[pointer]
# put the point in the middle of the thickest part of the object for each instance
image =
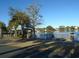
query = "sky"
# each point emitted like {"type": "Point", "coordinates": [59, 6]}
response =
{"type": "Point", "coordinates": [55, 12]}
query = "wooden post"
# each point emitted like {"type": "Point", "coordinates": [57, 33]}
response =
{"type": "Point", "coordinates": [72, 36]}
{"type": "Point", "coordinates": [0, 33]}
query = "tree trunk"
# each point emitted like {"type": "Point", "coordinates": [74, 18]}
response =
{"type": "Point", "coordinates": [23, 31]}
{"type": "Point", "coordinates": [15, 33]}
{"type": "Point", "coordinates": [34, 33]}
{"type": "Point", "coordinates": [26, 34]}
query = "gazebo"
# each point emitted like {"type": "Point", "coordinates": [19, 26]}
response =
{"type": "Point", "coordinates": [27, 30]}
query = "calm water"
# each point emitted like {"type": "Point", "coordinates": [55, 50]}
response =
{"type": "Point", "coordinates": [65, 35]}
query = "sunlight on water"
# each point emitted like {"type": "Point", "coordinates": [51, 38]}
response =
{"type": "Point", "coordinates": [65, 35]}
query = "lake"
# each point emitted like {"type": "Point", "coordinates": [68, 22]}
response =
{"type": "Point", "coordinates": [65, 35]}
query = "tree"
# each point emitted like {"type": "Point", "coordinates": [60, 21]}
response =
{"type": "Point", "coordinates": [72, 28]}
{"type": "Point", "coordinates": [78, 29]}
{"type": "Point", "coordinates": [62, 28]}
{"type": "Point", "coordinates": [42, 30]}
{"type": "Point", "coordinates": [50, 29]}
{"type": "Point", "coordinates": [13, 24]}
{"type": "Point", "coordinates": [67, 28]}
{"type": "Point", "coordinates": [2, 29]}
{"type": "Point", "coordinates": [33, 11]}
{"type": "Point", "coordinates": [19, 18]}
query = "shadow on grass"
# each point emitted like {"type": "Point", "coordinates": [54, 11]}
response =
{"type": "Point", "coordinates": [35, 52]}
{"type": "Point", "coordinates": [42, 50]}
{"type": "Point", "coordinates": [76, 53]}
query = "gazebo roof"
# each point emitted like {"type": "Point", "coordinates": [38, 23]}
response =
{"type": "Point", "coordinates": [19, 27]}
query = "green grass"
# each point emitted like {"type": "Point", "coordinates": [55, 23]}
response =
{"type": "Point", "coordinates": [44, 45]}
{"type": "Point", "coordinates": [16, 45]}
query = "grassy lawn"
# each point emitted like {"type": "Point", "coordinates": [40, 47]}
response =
{"type": "Point", "coordinates": [56, 48]}
{"type": "Point", "coordinates": [16, 45]}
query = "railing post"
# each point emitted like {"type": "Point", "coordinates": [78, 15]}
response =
{"type": "Point", "coordinates": [72, 38]}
